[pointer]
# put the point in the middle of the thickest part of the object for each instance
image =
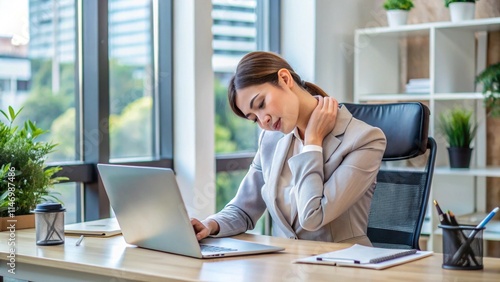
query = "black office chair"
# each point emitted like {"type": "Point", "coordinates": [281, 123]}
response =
{"type": "Point", "coordinates": [398, 206]}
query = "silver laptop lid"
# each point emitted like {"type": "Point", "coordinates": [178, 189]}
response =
{"type": "Point", "coordinates": [158, 222]}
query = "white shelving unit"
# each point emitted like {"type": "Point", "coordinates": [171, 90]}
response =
{"type": "Point", "coordinates": [457, 53]}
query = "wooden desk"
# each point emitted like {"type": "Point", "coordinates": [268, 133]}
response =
{"type": "Point", "coordinates": [100, 259]}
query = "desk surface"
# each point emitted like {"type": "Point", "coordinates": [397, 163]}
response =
{"type": "Point", "coordinates": [112, 257]}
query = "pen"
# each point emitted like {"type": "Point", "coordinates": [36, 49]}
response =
{"type": "Point", "coordinates": [338, 260]}
{"type": "Point", "coordinates": [462, 238]}
{"type": "Point", "coordinates": [452, 218]}
{"type": "Point", "coordinates": [443, 219]}
{"type": "Point", "coordinates": [487, 218]}
{"type": "Point", "coordinates": [79, 241]}
{"type": "Point", "coordinates": [481, 225]}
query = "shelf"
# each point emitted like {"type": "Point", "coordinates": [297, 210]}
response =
{"type": "Point", "coordinates": [458, 96]}
{"type": "Point", "coordinates": [402, 30]}
{"type": "Point", "coordinates": [488, 24]}
{"type": "Point", "coordinates": [392, 97]}
{"type": "Point", "coordinates": [381, 67]}
{"type": "Point", "coordinates": [479, 171]}
{"type": "Point", "coordinates": [421, 97]}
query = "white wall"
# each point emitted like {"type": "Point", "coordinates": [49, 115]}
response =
{"type": "Point", "coordinates": [194, 110]}
{"type": "Point", "coordinates": [318, 40]}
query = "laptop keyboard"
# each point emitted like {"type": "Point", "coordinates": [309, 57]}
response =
{"type": "Point", "coordinates": [215, 249]}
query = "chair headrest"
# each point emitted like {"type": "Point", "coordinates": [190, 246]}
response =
{"type": "Point", "coordinates": [405, 125]}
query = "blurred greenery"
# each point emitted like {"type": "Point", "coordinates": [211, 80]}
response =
{"type": "Point", "coordinates": [63, 131]}
{"type": "Point", "coordinates": [232, 134]}
{"type": "Point", "coordinates": [126, 84]}
{"type": "Point", "coordinates": [130, 132]}
{"type": "Point", "coordinates": [42, 105]}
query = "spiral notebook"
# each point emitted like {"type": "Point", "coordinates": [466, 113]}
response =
{"type": "Point", "coordinates": [366, 257]}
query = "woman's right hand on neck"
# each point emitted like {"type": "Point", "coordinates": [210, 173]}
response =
{"type": "Point", "coordinates": [322, 121]}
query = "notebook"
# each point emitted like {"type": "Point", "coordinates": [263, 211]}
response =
{"type": "Point", "coordinates": [150, 210]}
{"type": "Point", "coordinates": [366, 257]}
{"type": "Point", "coordinates": [102, 227]}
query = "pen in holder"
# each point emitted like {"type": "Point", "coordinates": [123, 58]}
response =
{"type": "Point", "coordinates": [462, 247]}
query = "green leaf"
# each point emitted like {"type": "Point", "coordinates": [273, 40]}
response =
{"type": "Point", "coordinates": [12, 113]}
{"type": "Point", "coordinates": [5, 115]}
{"type": "Point", "coordinates": [32, 126]}
{"type": "Point", "coordinates": [448, 2]}
{"type": "Point", "coordinates": [405, 5]}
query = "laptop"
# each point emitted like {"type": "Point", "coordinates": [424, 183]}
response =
{"type": "Point", "coordinates": [151, 213]}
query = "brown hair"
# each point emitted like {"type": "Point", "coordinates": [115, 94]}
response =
{"type": "Point", "coordinates": [261, 67]}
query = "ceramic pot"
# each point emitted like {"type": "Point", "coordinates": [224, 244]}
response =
{"type": "Point", "coordinates": [462, 11]}
{"type": "Point", "coordinates": [397, 17]}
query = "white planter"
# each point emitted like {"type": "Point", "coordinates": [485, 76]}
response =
{"type": "Point", "coordinates": [397, 17]}
{"type": "Point", "coordinates": [462, 11]}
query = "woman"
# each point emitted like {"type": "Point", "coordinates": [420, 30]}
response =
{"type": "Point", "coordinates": [316, 166]}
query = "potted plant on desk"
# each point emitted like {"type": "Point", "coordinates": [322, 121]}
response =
{"type": "Point", "coordinates": [461, 10]}
{"type": "Point", "coordinates": [25, 181]}
{"type": "Point", "coordinates": [459, 130]}
{"type": "Point", "coordinates": [397, 11]}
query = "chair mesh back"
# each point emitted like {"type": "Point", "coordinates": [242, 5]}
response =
{"type": "Point", "coordinates": [396, 207]}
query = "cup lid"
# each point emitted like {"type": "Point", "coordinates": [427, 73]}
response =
{"type": "Point", "coordinates": [49, 207]}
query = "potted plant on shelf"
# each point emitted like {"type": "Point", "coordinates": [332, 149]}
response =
{"type": "Point", "coordinates": [490, 80]}
{"type": "Point", "coordinates": [397, 11]}
{"type": "Point", "coordinates": [459, 130]}
{"type": "Point", "coordinates": [25, 181]}
{"type": "Point", "coordinates": [461, 10]}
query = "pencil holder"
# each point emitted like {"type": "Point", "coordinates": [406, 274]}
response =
{"type": "Point", "coordinates": [462, 247]}
{"type": "Point", "coordinates": [49, 224]}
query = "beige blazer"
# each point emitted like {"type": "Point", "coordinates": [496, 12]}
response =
{"type": "Point", "coordinates": [332, 191]}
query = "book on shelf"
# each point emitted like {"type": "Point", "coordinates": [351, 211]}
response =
{"type": "Point", "coordinates": [102, 227]}
{"type": "Point", "coordinates": [366, 257]}
{"type": "Point", "coordinates": [418, 85]}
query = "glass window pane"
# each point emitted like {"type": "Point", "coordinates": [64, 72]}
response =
{"type": "Point", "coordinates": [130, 78]}
{"type": "Point", "coordinates": [37, 55]}
{"type": "Point", "coordinates": [68, 193]}
{"type": "Point", "coordinates": [234, 34]}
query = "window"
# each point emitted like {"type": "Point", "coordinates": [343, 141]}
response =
{"type": "Point", "coordinates": [22, 85]}
{"type": "Point", "coordinates": [77, 67]}
{"type": "Point", "coordinates": [130, 79]}
{"type": "Point", "coordinates": [38, 55]}
{"type": "Point", "coordinates": [238, 27]}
